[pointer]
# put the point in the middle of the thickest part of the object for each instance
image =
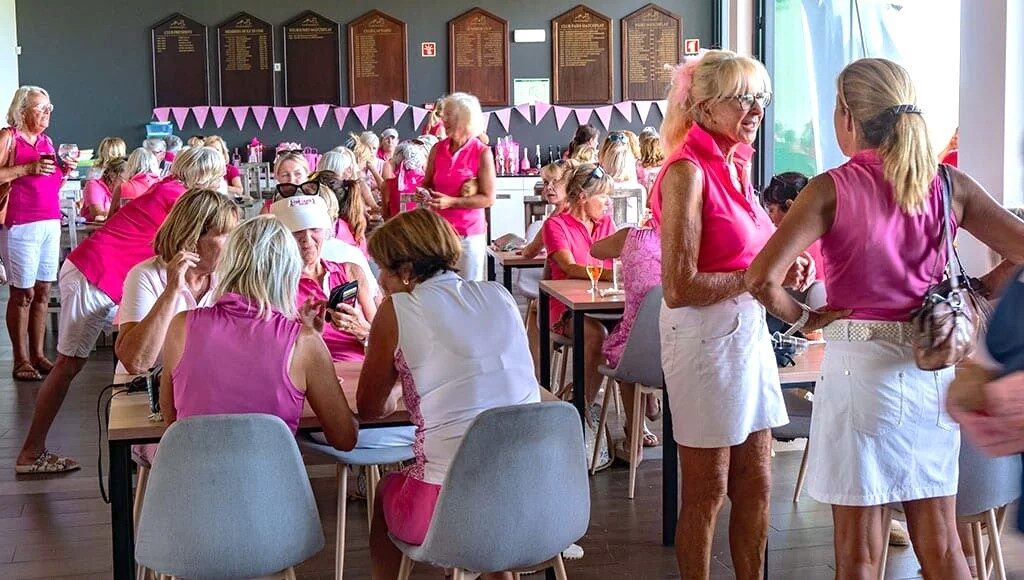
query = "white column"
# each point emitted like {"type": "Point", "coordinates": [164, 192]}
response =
{"type": "Point", "coordinates": [8, 56]}
{"type": "Point", "coordinates": [739, 22]}
{"type": "Point", "coordinates": [992, 108]}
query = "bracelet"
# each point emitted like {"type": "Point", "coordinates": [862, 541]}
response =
{"type": "Point", "coordinates": [800, 322]}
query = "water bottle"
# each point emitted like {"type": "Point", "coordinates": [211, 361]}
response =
{"type": "Point", "coordinates": [617, 274]}
{"type": "Point", "coordinates": [797, 344]}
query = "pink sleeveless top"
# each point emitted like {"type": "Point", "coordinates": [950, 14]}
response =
{"type": "Point", "coordinates": [880, 260]}
{"type": "Point", "coordinates": [33, 198]}
{"type": "Point", "coordinates": [343, 232]}
{"type": "Point", "coordinates": [343, 346]}
{"type": "Point", "coordinates": [138, 185]}
{"type": "Point", "coordinates": [451, 171]}
{"type": "Point", "coordinates": [734, 225]}
{"type": "Point", "coordinates": [105, 257]}
{"type": "Point", "coordinates": [236, 362]}
{"type": "Point", "coordinates": [641, 271]}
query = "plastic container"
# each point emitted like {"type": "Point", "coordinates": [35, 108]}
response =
{"type": "Point", "coordinates": [159, 129]}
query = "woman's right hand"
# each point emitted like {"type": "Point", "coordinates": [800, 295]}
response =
{"type": "Point", "coordinates": [179, 265]}
{"type": "Point", "coordinates": [818, 319]}
{"type": "Point", "coordinates": [41, 167]}
{"type": "Point", "coordinates": [312, 314]}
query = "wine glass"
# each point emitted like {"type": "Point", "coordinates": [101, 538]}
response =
{"type": "Point", "coordinates": [594, 270]}
{"type": "Point", "coordinates": [67, 152]}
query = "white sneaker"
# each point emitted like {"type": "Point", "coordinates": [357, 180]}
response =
{"type": "Point", "coordinates": [573, 552]}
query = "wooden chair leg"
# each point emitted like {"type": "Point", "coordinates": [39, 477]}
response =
{"type": "Point", "coordinates": [618, 400]}
{"type": "Point", "coordinates": [886, 523]}
{"type": "Point", "coordinates": [289, 574]}
{"type": "Point", "coordinates": [372, 479]}
{"type": "Point", "coordinates": [560, 568]}
{"type": "Point", "coordinates": [339, 541]}
{"type": "Point", "coordinates": [1000, 522]}
{"type": "Point", "coordinates": [602, 424]}
{"type": "Point", "coordinates": [995, 545]}
{"type": "Point", "coordinates": [802, 475]}
{"type": "Point", "coordinates": [979, 551]}
{"type": "Point", "coordinates": [636, 432]}
{"type": "Point", "coordinates": [564, 391]}
{"type": "Point", "coordinates": [405, 569]}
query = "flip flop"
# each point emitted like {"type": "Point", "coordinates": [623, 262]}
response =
{"type": "Point", "coordinates": [26, 372]}
{"type": "Point", "coordinates": [47, 463]}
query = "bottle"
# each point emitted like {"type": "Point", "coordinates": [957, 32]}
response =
{"type": "Point", "coordinates": [559, 152]}
{"type": "Point", "coordinates": [236, 159]}
{"type": "Point", "coordinates": [551, 154]}
{"type": "Point", "coordinates": [499, 160]}
{"type": "Point", "coordinates": [537, 155]}
{"type": "Point", "coordinates": [524, 162]}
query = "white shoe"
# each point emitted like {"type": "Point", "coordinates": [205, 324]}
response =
{"type": "Point", "coordinates": [573, 552]}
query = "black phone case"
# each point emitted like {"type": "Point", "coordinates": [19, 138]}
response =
{"type": "Point", "coordinates": [342, 293]}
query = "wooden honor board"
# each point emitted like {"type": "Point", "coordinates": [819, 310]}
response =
{"type": "Point", "coordinates": [478, 56]}
{"type": "Point", "coordinates": [181, 75]}
{"type": "Point", "coordinates": [245, 51]}
{"type": "Point", "coordinates": [651, 38]}
{"type": "Point", "coordinates": [378, 62]}
{"type": "Point", "coordinates": [581, 57]}
{"type": "Point", "coordinates": [312, 61]}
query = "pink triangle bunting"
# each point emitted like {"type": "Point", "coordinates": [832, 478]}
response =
{"type": "Point", "coordinates": [162, 114]}
{"type": "Point", "coordinates": [340, 114]}
{"type": "Point", "coordinates": [376, 112]}
{"type": "Point", "coordinates": [583, 115]}
{"type": "Point", "coordinates": [363, 114]}
{"type": "Point", "coordinates": [539, 110]}
{"type": "Point", "coordinates": [320, 113]}
{"type": "Point", "coordinates": [281, 116]}
{"type": "Point", "coordinates": [301, 115]}
{"type": "Point", "coordinates": [239, 114]}
{"type": "Point", "coordinates": [219, 114]}
{"type": "Point", "coordinates": [180, 116]}
{"type": "Point", "coordinates": [625, 108]}
{"type": "Point", "coordinates": [644, 108]}
{"type": "Point", "coordinates": [605, 115]}
{"type": "Point", "coordinates": [524, 110]}
{"type": "Point", "coordinates": [487, 120]}
{"type": "Point", "coordinates": [561, 114]}
{"type": "Point", "coordinates": [260, 115]}
{"type": "Point", "coordinates": [505, 117]}
{"type": "Point", "coordinates": [418, 114]}
{"type": "Point", "coordinates": [663, 107]}
{"type": "Point", "coordinates": [200, 113]}
{"type": "Point", "coordinates": [398, 108]}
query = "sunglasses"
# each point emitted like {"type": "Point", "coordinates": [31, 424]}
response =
{"type": "Point", "coordinates": [286, 190]}
{"type": "Point", "coordinates": [616, 137]}
{"type": "Point", "coordinates": [597, 173]}
{"type": "Point", "coordinates": [747, 100]}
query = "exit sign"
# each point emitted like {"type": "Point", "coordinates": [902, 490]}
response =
{"type": "Point", "coordinates": [691, 46]}
{"type": "Point", "coordinates": [428, 49]}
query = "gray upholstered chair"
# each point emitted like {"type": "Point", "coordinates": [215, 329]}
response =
{"type": "Point", "coordinates": [799, 427]}
{"type": "Point", "coordinates": [371, 458]}
{"type": "Point", "coordinates": [228, 497]}
{"type": "Point", "coordinates": [641, 365]}
{"type": "Point", "coordinates": [516, 494]}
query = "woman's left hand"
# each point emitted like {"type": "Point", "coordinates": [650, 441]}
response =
{"type": "Point", "coordinates": [439, 201]}
{"type": "Point", "coordinates": [70, 164]}
{"type": "Point", "coordinates": [351, 320]}
{"type": "Point", "coordinates": [311, 314]}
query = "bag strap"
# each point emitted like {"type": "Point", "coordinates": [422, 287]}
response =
{"type": "Point", "coordinates": [8, 159]}
{"type": "Point", "coordinates": [947, 227]}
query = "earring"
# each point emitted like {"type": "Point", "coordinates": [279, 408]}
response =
{"type": "Point", "coordinates": [406, 282]}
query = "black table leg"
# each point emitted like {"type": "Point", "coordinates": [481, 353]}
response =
{"type": "Point", "coordinates": [506, 278]}
{"type": "Point", "coordinates": [544, 318]}
{"type": "Point", "coordinates": [121, 510]}
{"type": "Point", "coordinates": [578, 367]}
{"type": "Point", "coordinates": [669, 477]}
{"type": "Point", "coordinates": [491, 270]}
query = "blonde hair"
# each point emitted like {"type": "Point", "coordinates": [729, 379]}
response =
{"type": "Point", "coordinates": [363, 147]}
{"type": "Point", "coordinates": [420, 240]}
{"type": "Point", "coordinates": [651, 153]}
{"type": "Point", "coordinates": [116, 168]}
{"type": "Point", "coordinates": [262, 263]}
{"type": "Point", "coordinates": [872, 90]}
{"type": "Point", "coordinates": [563, 168]}
{"type": "Point", "coordinates": [291, 156]}
{"type": "Point", "coordinates": [218, 143]}
{"type": "Point", "coordinates": [716, 76]}
{"type": "Point", "coordinates": [341, 161]}
{"type": "Point", "coordinates": [110, 148]}
{"type": "Point", "coordinates": [327, 194]}
{"type": "Point", "coordinates": [196, 213]}
{"type": "Point", "coordinates": [584, 184]}
{"type": "Point", "coordinates": [584, 154]}
{"type": "Point", "coordinates": [348, 203]}
{"type": "Point", "coordinates": [142, 160]}
{"type": "Point", "coordinates": [618, 161]}
{"type": "Point", "coordinates": [199, 167]}
{"type": "Point", "coordinates": [467, 111]}
{"type": "Point", "coordinates": [19, 104]}
{"type": "Point", "coordinates": [194, 141]}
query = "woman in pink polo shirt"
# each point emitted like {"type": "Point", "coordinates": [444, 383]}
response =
{"type": "Point", "coordinates": [454, 161]}
{"type": "Point", "coordinates": [568, 238]}
{"type": "Point", "coordinates": [98, 194]}
{"type": "Point", "coordinates": [232, 176]}
{"type": "Point", "coordinates": [403, 174]}
{"type": "Point", "coordinates": [720, 373]}
{"type": "Point", "coordinates": [30, 236]}
{"type": "Point", "coordinates": [143, 171]}
{"type": "Point", "coordinates": [91, 286]}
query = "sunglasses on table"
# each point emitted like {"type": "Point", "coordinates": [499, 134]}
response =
{"type": "Point", "coordinates": [747, 100]}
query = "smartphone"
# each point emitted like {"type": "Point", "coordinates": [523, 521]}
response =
{"type": "Point", "coordinates": [343, 294]}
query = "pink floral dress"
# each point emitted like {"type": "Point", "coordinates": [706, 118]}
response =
{"type": "Point", "coordinates": [641, 271]}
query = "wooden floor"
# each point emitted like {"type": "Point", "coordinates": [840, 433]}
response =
{"type": "Point", "coordinates": [57, 526]}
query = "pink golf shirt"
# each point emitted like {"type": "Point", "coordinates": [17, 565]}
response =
{"type": "Point", "coordinates": [137, 186]}
{"type": "Point", "coordinates": [96, 192]}
{"type": "Point", "coordinates": [880, 260]}
{"type": "Point", "coordinates": [106, 257]}
{"type": "Point", "coordinates": [343, 232]}
{"type": "Point", "coordinates": [343, 346]}
{"type": "Point", "coordinates": [451, 171]}
{"type": "Point", "coordinates": [734, 226]}
{"type": "Point", "coordinates": [33, 198]}
{"type": "Point", "coordinates": [218, 372]}
{"type": "Point", "coordinates": [565, 232]}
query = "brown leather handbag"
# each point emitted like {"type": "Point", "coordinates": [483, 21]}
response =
{"type": "Point", "coordinates": [6, 160]}
{"type": "Point", "coordinates": [953, 315]}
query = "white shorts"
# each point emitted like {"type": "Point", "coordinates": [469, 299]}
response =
{"type": "Point", "coordinates": [31, 252]}
{"type": "Point", "coordinates": [85, 311]}
{"type": "Point", "coordinates": [472, 264]}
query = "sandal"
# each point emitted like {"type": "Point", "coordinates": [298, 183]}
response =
{"type": "Point", "coordinates": [47, 463]}
{"type": "Point", "coordinates": [43, 366]}
{"type": "Point", "coordinates": [26, 372]}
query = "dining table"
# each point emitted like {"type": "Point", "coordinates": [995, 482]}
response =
{"type": "Point", "coordinates": [510, 261]}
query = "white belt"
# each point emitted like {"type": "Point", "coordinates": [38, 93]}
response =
{"type": "Point", "coordinates": [862, 331]}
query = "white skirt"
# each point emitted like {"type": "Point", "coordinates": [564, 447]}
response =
{"type": "Point", "coordinates": [720, 372]}
{"type": "Point", "coordinates": [879, 430]}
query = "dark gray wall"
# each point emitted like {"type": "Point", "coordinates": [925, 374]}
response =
{"type": "Point", "coordinates": [93, 56]}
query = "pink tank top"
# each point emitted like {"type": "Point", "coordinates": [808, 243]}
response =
{"type": "Point", "coordinates": [880, 260]}
{"type": "Point", "coordinates": [137, 186]}
{"type": "Point", "coordinates": [343, 346]}
{"type": "Point", "coordinates": [734, 225]}
{"type": "Point", "coordinates": [236, 362]}
{"type": "Point", "coordinates": [105, 257]}
{"type": "Point", "coordinates": [33, 198]}
{"type": "Point", "coordinates": [343, 232]}
{"type": "Point", "coordinates": [451, 171]}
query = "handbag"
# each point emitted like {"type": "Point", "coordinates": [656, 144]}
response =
{"type": "Point", "coordinates": [7, 160]}
{"type": "Point", "coordinates": [946, 327]}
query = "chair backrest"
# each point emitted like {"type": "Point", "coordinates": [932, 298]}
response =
{"type": "Point", "coordinates": [517, 492]}
{"type": "Point", "coordinates": [228, 497]}
{"type": "Point", "coordinates": [985, 482]}
{"type": "Point", "coordinates": [641, 357]}
{"type": "Point", "coordinates": [533, 230]}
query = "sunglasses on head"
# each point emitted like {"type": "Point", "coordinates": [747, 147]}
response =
{"type": "Point", "coordinates": [597, 173]}
{"type": "Point", "coordinates": [616, 137]}
{"type": "Point", "coordinates": [286, 190]}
